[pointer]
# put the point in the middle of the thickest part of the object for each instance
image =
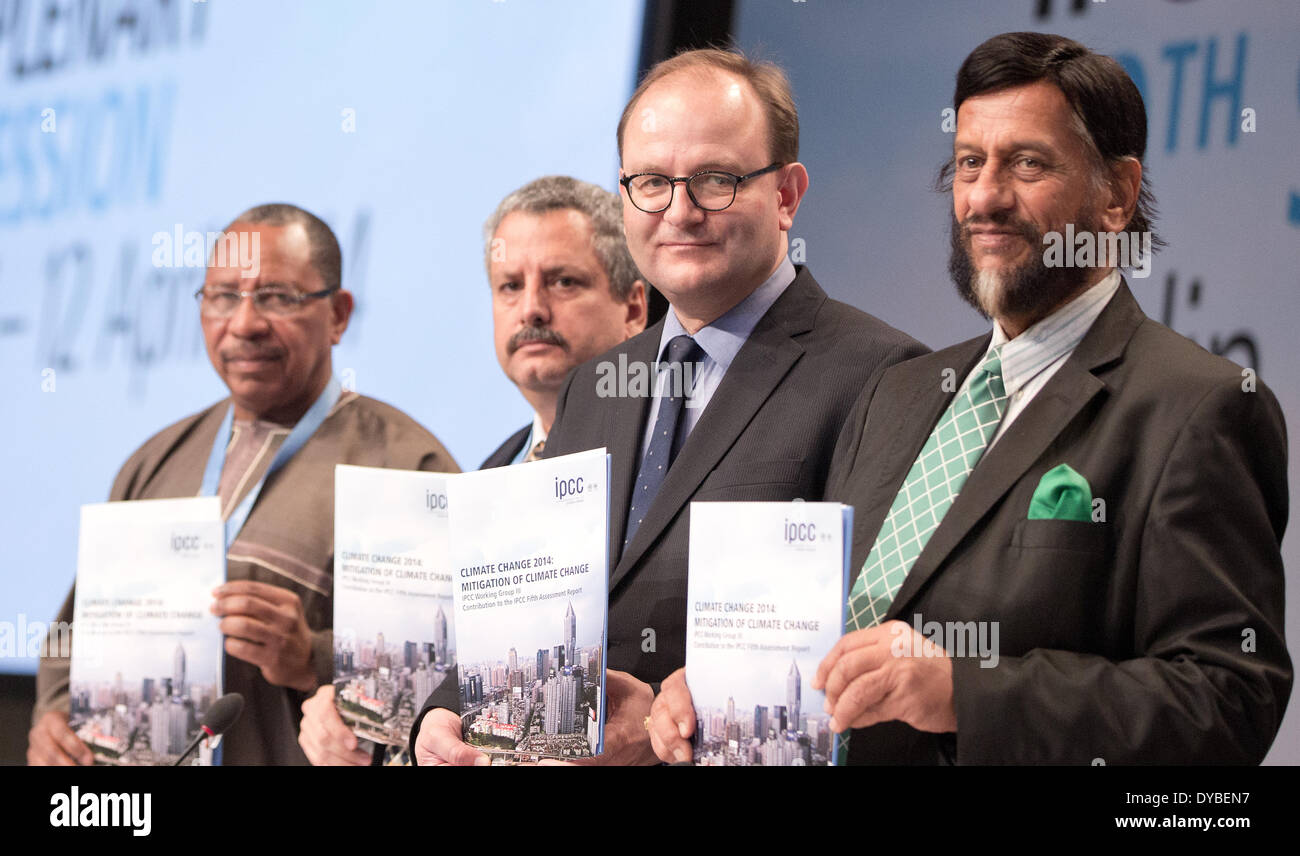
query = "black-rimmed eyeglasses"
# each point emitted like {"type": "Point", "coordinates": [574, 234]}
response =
{"type": "Point", "coordinates": [711, 190]}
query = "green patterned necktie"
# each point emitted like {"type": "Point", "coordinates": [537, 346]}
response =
{"type": "Point", "coordinates": [937, 476]}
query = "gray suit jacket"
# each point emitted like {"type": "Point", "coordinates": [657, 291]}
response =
{"type": "Point", "coordinates": [767, 434]}
{"type": "Point", "coordinates": [1155, 636]}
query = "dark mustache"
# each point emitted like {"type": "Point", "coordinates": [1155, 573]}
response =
{"type": "Point", "coordinates": [1001, 221]}
{"type": "Point", "coordinates": [545, 335]}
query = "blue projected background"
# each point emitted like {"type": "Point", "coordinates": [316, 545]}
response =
{"type": "Point", "coordinates": [401, 124]}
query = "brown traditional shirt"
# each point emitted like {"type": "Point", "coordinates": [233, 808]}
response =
{"type": "Point", "coordinates": [288, 539]}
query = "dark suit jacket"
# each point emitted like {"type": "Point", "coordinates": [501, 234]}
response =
{"type": "Point", "coordinates": [767, 434]}
{"type": "Point", "coordinates": [506, 452]}
{"type": "Point", "coordinates": [1155, 636]}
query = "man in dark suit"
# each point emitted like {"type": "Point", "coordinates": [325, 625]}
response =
{"type": "Point", "coordinates": [1073, 554]}
{"type": "Point", "coordinates": [564, 289]}
{"type": "Point", "coordinates": [709, 147]}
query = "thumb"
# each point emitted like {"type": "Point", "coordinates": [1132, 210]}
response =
{"type": "Point", "coordinates": [462, 754]}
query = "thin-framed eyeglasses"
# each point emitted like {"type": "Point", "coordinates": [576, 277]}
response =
{"type": "Point", "coordinates": [272, 302]}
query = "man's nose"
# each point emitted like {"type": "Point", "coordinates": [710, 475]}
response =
{"type": "Point", "coordinates": [536, 303]}
{"type": "Point", "coordinates": [682, 211]}
{"type": "Point", "coordinates": [247, 322]}
{"type": "Point", "coordinates": [991, 193]}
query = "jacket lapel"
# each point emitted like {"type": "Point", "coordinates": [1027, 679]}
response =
{"type": "Point", "coordinates": [629, 414]}
{"type": "Point", "coordinates": [1052, 409]}
{"type": "Point", "coordinates": [760, 365]}
{"type": "Point", "coordinates": [885, 463]}
{"type": "Point", "coordinates": [915, 420]}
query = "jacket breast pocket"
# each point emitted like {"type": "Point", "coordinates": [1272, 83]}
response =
{"type": "Point", "coordinates": [1059, 570]}
{"type": "Point", "coordinates": [741, 481]}
{"type": "Point", "coordinates": [1074, 536]}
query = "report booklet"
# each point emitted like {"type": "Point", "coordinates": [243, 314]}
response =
{"type": "Point", "coordinates": [394, 640]}
{"type": "Point", "coordinates": [529, 559]}
{"type": "Point", "coordinates": [765, 603]}
{"type": "Point", "coordinates": [146, 654]}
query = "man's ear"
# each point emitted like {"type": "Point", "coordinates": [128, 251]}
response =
{"type": "Point", "coordinates": [794, 184]}
{"type": "Point", "coordinates": [1124, 185]}
{"type": "Point", "coordinates": [341, 305]}
{"type": "Point", "coordinates": [634, 320]}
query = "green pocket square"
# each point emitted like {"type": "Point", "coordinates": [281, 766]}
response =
{"type": "Point", "coordinates": [1062, 494]}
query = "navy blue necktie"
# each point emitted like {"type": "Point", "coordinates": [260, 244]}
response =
{"type": "Point", "coordinates": [665, 441]}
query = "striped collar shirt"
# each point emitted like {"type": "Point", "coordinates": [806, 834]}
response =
{"type": "Point", "coordinates": [1030, 359]}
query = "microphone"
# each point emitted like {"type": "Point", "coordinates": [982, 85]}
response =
{"type": "Point", "coordinates": [223, 714]}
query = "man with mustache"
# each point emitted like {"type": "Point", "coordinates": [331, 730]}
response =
{"type": "Point", "coordinates": [270, 319]}
{"type": "Point", "coordinates": [564, 290]}
{"type": "Point", "coordinates": [1097, 494]}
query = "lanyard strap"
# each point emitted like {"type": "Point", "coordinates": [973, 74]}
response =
{"type": "Point", "coordinates": [301, 432]}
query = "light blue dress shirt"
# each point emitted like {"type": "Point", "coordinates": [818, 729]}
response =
{"type": "Point", "coordinates": [720, 341]}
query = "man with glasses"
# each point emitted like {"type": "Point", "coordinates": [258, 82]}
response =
{"type": "Point", "coordinates": [711, 180]}
{"type": "Point", "coordinates": [268, 451]}
{"type": "Point", "coordinates": [1070, 554]}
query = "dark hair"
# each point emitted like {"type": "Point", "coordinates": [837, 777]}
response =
{"type": "Point", "coordinates": [767, 79]}
{"type": "Point", "coordinates": [1111, 116]}
{"type": "Point", "coordinates": [325, 255]}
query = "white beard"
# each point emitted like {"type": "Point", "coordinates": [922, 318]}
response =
{"type": "Point", "coordinates": [988, 286]}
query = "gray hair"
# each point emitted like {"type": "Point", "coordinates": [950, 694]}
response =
{"type": "Point", "coordinates": [603, 209]}
{"type": "Point", "coordinates": [324, 254]}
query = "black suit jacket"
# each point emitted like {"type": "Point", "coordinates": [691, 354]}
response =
{"type": "Point", "coordinates": [1155, 636]}
{"type": "Point", "coordinates": [506, 452]}
{"type": "Point", "coordinates": [768, 433]}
